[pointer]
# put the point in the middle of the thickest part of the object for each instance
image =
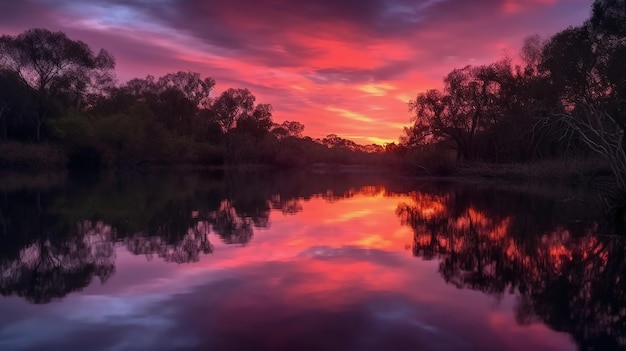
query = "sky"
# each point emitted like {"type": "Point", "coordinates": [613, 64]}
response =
{"type": "Point", "coordinates": [346, 67]}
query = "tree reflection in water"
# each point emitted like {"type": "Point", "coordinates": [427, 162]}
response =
{"type": "Point", "coordinates": [48, 268]}
{"type": "Point", "coordinates": [546, 252]}
{"type": "Point", "coordinates": [55, 239]}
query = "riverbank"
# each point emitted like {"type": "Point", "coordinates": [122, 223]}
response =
{"type": "Point", "coordinates": [44, 157]}
{"type": "Point", "coordinates": [570, 171]}
{"type": "Point", "coordinates": [32, 156]}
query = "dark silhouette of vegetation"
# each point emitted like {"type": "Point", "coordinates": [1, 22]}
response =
{"type": "Point", "coordinates": [565, 99]}
{"type": "Point", "coordinates": [56, 70]}
{"type": "Point", "coordinates": [56, 92]}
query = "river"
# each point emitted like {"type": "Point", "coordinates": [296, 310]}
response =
{"type": "Point", "coordinates": [305, 261]}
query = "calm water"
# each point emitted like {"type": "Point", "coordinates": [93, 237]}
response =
{"type": "Point", "coordinates": [302, 261]}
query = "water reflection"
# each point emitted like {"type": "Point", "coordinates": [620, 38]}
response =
{"type": "Point", "coordinates": [51, 265]}
{"type": "Point", "coordinates": [549, 253]}
{"type": "Point", "coordinates": [56, 239]}
{"type": "Point", "coordinates": [266, 261]}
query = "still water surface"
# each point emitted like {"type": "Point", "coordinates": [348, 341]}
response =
{"type": "Point", "coordinates": [304, 261]}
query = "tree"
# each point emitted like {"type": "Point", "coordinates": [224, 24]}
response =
{"type": "Point", "coordinates": [258, 123]}
{"type": "Point", "coordinates": [279, 131]}
{"type": "Point", "coordinates": [175, 99]}
{"type": "Point", "coordinates": [607, 26]}
{"type": "Point", "coordinates": [335, 141]}
{"type": "Point", "coordinates": [586, 67]}
{"type": "Point", "coordinates": [570, 63]}
{"type": "Point", "coordinates": [609, 17]}
{"type": "Point", "coordinates": [233, 105]}
{"type": "Point", "coordinates": [139, 87]}
{"type": "Point", "coordinates": [602, 134]}
{"type": "Point", "coordinates": [172, 108]}
{"type": "Point", "coordinates": [288, 129]}
{"type": "Point", "coordinates": [531, 54]}
{"type": "Point", "coordinates": [373, 149]}
{"type": "Point", "coordinates": [193, 87]}
{"type": "Point", "coordinates": [55, 67]}
{"type": "Point", "coordinates": [294, 128]}
{"type": "Point", "coordinates": [16, 106]}
{"type": "Point", "coordinates": [470, 103]}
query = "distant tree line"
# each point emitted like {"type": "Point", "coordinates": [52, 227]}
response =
{"type": "Point", "coordinates": [565, 96]}
{"type": "Point", "coordinates": [57, 90]}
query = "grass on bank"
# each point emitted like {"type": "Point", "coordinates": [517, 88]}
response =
{"type": "Point", "coordinates": [571, 170]}
{"type": "Point", "coordinates": [49, 156]}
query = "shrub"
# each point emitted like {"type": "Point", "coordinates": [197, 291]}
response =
{"type": "Point", "coordinates": [31, 156]}
{"type": "Point", "coordinates": [207, 154]}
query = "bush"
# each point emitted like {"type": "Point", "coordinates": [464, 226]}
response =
{"type": "Point", "coordinates": [84, 157]}
{"type": "Point", "coordinates": [71, 129]}
{"type": "Point", "coordinates": [207, 154]}
{"type": "Point", "coordinates": [31, 156]}
{"type": "Point", "coordinates": [432, 160]}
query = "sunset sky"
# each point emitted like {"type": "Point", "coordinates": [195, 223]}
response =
{"type": "Point", "coordinates": [347, 67]}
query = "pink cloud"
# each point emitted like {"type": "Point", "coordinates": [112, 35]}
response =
{"type": "Point", "coordinates": [344, 67]}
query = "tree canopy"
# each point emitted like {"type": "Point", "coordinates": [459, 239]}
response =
{"type": "Point", "coordinates": [56, 68]}
{"type": "Point", "coordinates": [565, 97]}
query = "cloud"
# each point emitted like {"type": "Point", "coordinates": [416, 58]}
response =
{"type": "Point", "coordinates": [350, 115]}
{"type": "Point", "coordinates": [313, 60]}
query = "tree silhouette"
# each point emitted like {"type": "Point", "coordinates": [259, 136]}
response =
{"type": "Point", "coordinates": [55, 67]}
{"type": "Point", "coordinates": [233, 105]}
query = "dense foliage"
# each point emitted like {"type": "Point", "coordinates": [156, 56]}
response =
{"type": "Point", "coordinates": [564, 96]}
{"type": "Point", "coordinates": [58, 91]}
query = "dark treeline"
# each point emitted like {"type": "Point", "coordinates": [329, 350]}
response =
{"type": "Point", "coordinates": [57, 90]}
{"type": "Point", "coordinates": [563, 97]}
